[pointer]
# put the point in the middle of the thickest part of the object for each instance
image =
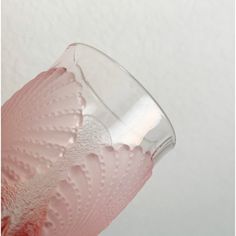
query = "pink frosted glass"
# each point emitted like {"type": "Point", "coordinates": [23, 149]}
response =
{"type": "Point", "coordinates": [62, 172]}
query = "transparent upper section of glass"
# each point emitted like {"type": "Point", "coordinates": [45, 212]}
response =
{"type": "Point", "coordinates": [118, 101]}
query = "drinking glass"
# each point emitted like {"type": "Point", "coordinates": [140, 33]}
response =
{"type": "Point", "coordinates": [78, 142]}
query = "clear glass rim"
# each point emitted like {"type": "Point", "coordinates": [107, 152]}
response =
{"type": "Point", "coordinates": [131, 76]}
{"type": "Point", "coordinates": [73, 50]}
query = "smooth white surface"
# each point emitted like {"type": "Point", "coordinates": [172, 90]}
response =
{"type": "Point", "coordinates": [182, 52]}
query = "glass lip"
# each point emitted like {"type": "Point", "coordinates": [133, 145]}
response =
{"type": "Point", "coordinates": [131, 77]}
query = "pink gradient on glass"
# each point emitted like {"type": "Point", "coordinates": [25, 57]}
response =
{"type": "Point", "coordinates": [46, 188]}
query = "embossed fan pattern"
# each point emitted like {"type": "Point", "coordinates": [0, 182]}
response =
{"type": "Point", "coordinates": [50, 186]}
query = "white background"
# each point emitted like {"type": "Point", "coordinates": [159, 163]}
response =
{"type": "Point", "coordinates": [182, 52]}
